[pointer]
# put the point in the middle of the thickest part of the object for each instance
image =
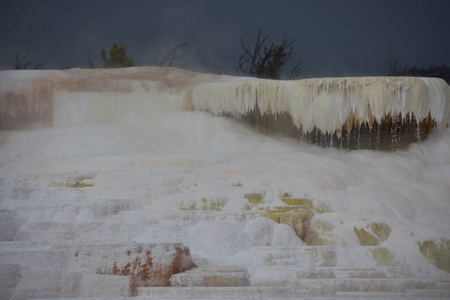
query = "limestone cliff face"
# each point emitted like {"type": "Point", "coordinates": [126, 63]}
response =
{"type": "Point", "coordinates": [354, 113]}
{"type": "Point", "coordinates": [329, 104]}
{"type": "Point", "coordinates": [28, 97]}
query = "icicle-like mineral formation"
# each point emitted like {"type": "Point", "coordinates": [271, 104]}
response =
{"type": "Point", "coordinates": [356, 113]}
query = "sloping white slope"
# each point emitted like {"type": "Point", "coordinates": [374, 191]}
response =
{"type": "Point", "coordinates": [159, 172]}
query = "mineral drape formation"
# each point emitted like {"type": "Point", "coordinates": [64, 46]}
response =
{"type": "Point", "coordinates": [382, 113]}
{"type": "Point", "coordinates": [356, 113]}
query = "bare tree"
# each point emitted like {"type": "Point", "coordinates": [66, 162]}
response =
{"type": "Point", "coordinates": [172, 56]}
{"type": "Point", "coordinates": [394, 69]}
{"type": "Point", "coordinates": [263, 61]}
{"type": "Point", "coordinates": [20, 63]}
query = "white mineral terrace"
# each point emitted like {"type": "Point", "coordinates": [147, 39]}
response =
{"type": "Point", "coordinates": [117, 183]}
{"type": "Point", "coordinates": [327, 103]}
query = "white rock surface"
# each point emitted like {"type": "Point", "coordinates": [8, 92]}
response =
{"type": "Point", "coordinates": [121, 160]}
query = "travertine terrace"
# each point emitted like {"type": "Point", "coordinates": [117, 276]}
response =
{"type": "Point", "coordinates": [164, 183]}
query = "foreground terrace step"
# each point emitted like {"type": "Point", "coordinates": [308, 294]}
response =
{"type": "Point", "coordinates": [212, 276]}
{"type": "Point", "coordinates": [87, 255]}
{"type": "Point", "coordinates": [214, 292]}
{"type": "Point", "coordinates": [44, 259]}
{"type": "Point", "coordinates": [8, 283]}
{"type": "Point", "coordinates": [356, 297]}
{"type": "Point", "coordinates": [86, 231]}
{"type": "Point", "coordinates": [364, 286]}
{"type": "Point", "coordinates": [352, 288]}
{"type": "Point", "coordinates": [60, 219]}
{"type": "Point", "coordinates": [71, 207]}
{"type": "Point", "coordinates": [184, 216]}
{"type": "Point", "coordinates": [276, 275]}
{"type": "Point", "coordinates": [164, 226]}
{"type": "Point", "coordinates": [380, 295]}
{"type": "Point", "coordinates": [429, 293]}
{"type": "Point", "coordinates": [322, 256]}
{"type": "Point", "coordinates": [273, 293]}
{"type": "Point", "coordinates": [33, 284]}
{"type": "Point", "coordinates": [329, 287]}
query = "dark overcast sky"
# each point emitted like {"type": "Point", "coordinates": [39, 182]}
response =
{"type": "Point", "coordinates": [332, 37]}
